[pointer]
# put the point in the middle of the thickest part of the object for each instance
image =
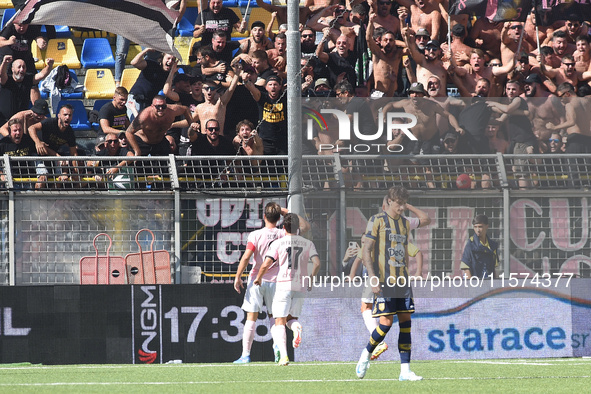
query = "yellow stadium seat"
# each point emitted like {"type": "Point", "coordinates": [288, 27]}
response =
{"type": "Point", "coordinates": [4, 4]}
{"type": "Point", "coordinates": [129, 77]}
{"type": "Point", "coordinates": [183, 45]}
{"type": "Point", "coordinates": [134, 49]}
{"type": "Point", "coordinates": [37, 55]}
{"type": "Point", "coordinates": [259, 14]}
{"type": "Point", "coordinates": [63, 51]}
{"type": "Point", "coordinates": [99, 83]}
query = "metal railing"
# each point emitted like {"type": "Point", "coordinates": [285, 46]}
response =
{"type": "Point", "coordinates": [201, 209]}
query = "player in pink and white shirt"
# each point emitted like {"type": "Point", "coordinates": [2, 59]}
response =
{"type": "Point", "coordinates": [257, 244]}
{"type": "Point", "coordinates": [292, 254]}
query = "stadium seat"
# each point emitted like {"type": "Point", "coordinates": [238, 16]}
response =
{"type": "Point", "coordinates": [185, 28]}
{"type": "Point", "coordinates": [37, 54]}
{"type": "Point", "coordinates": [134, 49]}
{"type": "Point", "coordinates": [65, 96]}
{"type": "Point", "coordinates": [129, 77]}
{"type": "Point", "coordinates": [191, 14]}
{"type": "Point", "coordinates": [6, 4]}
{"type": "Point", "coordinates": [234, 3]}
{"type": "Point", "coordinates": [63, 51]}
{"type": "Point", "coordinates": [183, 45]}
{"type": "Point", "coordinates": [97, 53]}
{"type": "Point", "coordinates": [80, 117]}
{"type": "Point", "coordinates": [98, 104]}
{"type": "Point", "coordinates": [99, 83]}
{"type": "Point", "coordinates": [259, 14]}
{"type": "Point", "coordinates": [8, 13]}
{"type": "Point", "coordinates": [60, 31]}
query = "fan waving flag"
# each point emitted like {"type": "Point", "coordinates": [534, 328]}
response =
{"type": "Point", "coordinates": [495, 10]}
{"type": "Point", "coordinates": [550, 11]}
{"type": "Point", "coordinates": [149, 23]}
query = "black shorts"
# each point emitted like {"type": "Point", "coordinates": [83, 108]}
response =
{"type": "Point", "coordinates": [162, 148]}
{"type": "Point", "coordinates": [391, 306]}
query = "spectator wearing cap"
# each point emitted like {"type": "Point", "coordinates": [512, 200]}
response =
{"type": "Point", "coordinates": [424, 14]}
{"type": "Point", "coordinates": [384, 18]}
{"type": "Point", "coordinates": [476, 70]}
{"type": "Point", "coordinates": [113, 115]}
{"type": "Point", "coordinates": [480, 257]}
{"type": "Point", "coordinates": [422, 38]}
{"type": "Point", "coordinates": [340, 62]}
{"type": "Point", "coordinates": [272, 104]}
{"type": "Point", "coordinates": [322, 88]}
{"type": "Point", "coordinates": [428, 63]}
{"type": "Point", "coordinates": [459, 49]}
{"type": "Point", "coordinates": [29, 117]}
{"type": "Point", "coordinates": [216, 17]}
{"type": "Point", "coordinates": [257, 40]}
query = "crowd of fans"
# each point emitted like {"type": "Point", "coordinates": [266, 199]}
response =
{"type": "Point", "coordinates": [485, 88]}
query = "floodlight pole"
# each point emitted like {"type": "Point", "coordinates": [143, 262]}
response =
{"type": "Point", "coordinates": [294, 109]}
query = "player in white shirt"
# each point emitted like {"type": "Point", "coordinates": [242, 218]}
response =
{"type": "Point", "coordinates": [292, 254]}
{"type": "Point", "coordinates": [256, 249]}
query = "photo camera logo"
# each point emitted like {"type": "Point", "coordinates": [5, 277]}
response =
{"type": "Point", "coordinates": [404, 124]}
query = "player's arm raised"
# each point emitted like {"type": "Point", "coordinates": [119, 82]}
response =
{"type": "Point", "coordinates": [424, 219]}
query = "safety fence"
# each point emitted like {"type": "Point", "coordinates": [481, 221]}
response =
{"type": "Point", "coordinates": [201, 210]}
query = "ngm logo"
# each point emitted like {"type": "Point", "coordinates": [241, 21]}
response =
{"type": "Point", "coordinates": [405, 123]}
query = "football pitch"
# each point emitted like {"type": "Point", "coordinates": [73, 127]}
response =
{"type": "Point", "coordinates": [488, 376]}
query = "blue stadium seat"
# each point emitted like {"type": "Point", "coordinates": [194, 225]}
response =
{"type": "Point", "coordinates": [97, 53]}
{"type": "Point", "coordinates": [98, 104]}
{"type": "Point", "coordinates": [185, 28]}
{"type": "Point", "coordinates": [60, 31]}
{"type": "Point", "coordinates": [80, 117]}
{"type": "Point", "coordinates": [65, 96]}
{"type": "Point", "coordinates": [8, 13]}
{"type": "Point", "coordinates": [234, 3]}
{"type": "Point", "coordinates": [192, 12]}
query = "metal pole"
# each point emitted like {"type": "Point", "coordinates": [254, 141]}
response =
{"type": "Point", "coordinates": [294, 109]}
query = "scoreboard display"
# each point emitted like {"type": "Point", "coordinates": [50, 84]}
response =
{"type": "Point", "coordinates": [126, 324]}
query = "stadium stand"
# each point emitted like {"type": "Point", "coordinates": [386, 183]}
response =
{"type": "Point", "coordinates": [80, 116]}
{"type": "Point", "coordinates": [97, 53]}
{"type": "Point", "coordinates": [99, 83]}
{"type": "Point", "coordinates": [63, 51]}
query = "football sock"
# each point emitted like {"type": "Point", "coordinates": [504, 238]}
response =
{"type": "Point", "coordinates": [248, 337]}
{"type": "Point", "coordinates": [404, 368]}
{"type": "Point", "coordinates": [272, 323]}
{"type": "Point", "coordinates": [377, 336]}
{"type": "Point", "coordinates": [280, 338]}
{"type": "Point", "coordinates": [290, 323]}
{"type": "Point", "coordinates": [404, 342]}
{"type": "Point", "coordinates": [370, 322]}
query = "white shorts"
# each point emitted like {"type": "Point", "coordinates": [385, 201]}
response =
{"type": "Point", "coordinates": [255, 295]}
{"type": "Point", "coordinates": [288, 302]}
{"type": "Point", "coordinates": [367, 295]}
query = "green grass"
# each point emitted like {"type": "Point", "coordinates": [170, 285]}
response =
{"type": "Point", "coordinates": [570, 375]}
